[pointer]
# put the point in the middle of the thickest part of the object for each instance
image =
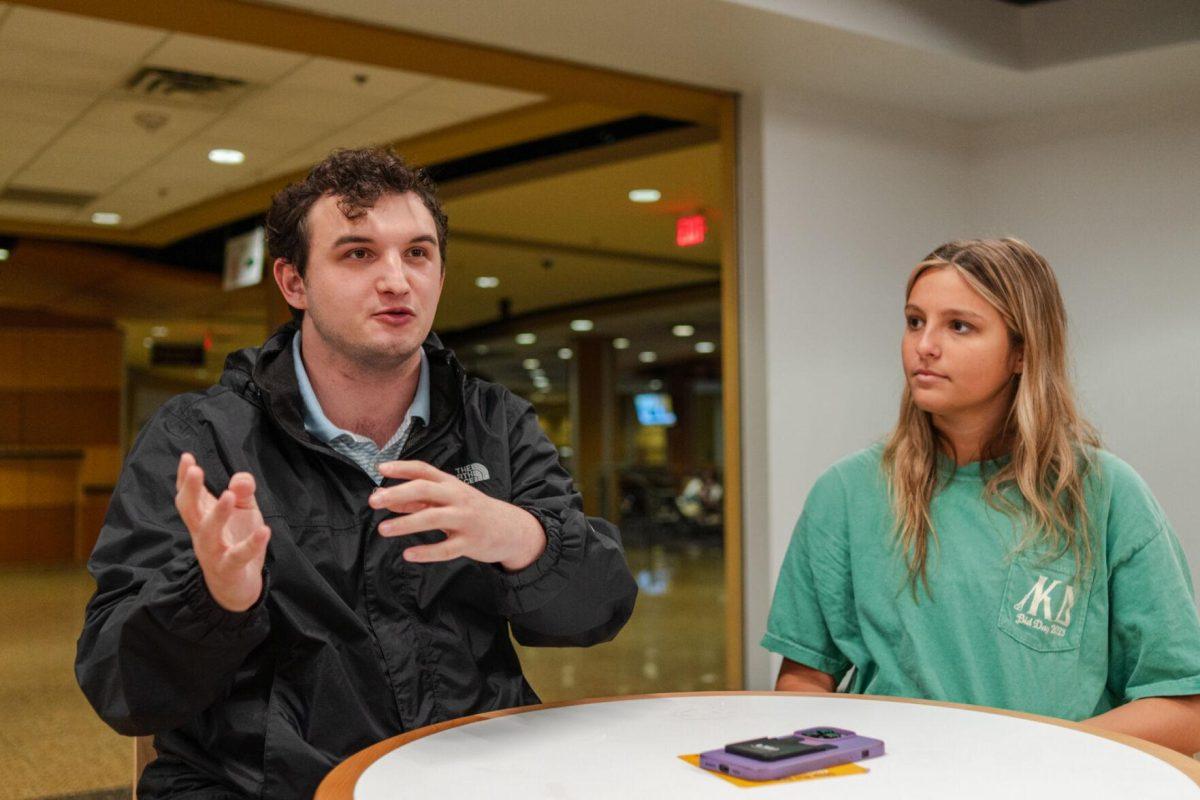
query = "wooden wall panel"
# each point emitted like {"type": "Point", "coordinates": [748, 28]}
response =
{"type": "Point", "coordinates": [87, 358]}
{"type": "Point", "coordinates": [37, 509]}
{"type": "Point", "coordinates": [37, 536]}
{"type": "Point", "coordinates": [71, 419]}
{"type": "Point", "coordinates": [52, 482]}
{"type": "Point", "coordinates": [12, 361]}
{"type": "Point", "coordinates": [101, 466]}
{"type": "Point", "coordinates": [10, 417]}
{"type": "Point", "coordinates": [14, 484]}
{"type": "Point", "coordinates": [60, 410]}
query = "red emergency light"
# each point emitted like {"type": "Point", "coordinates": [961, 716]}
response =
{"type": "Point", "coordinates": [690, 231]}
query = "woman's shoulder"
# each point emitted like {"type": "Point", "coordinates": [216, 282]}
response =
{"type": "Point", "coordinates": [860, 471]}
{"type": "Point", "coordinates": [862, 464]}
{"type": "Point", "coordinates": [1124, 498]}
{"type": "Point", "coordinates": [1115, 475]}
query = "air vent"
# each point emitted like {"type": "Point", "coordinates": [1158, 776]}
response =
{"type": "Point", "coordinates": [180, 87]}
{"type": "Point", "coordinates": [46, 197]}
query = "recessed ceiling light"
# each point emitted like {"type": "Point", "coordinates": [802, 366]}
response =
{"type": "Point", "coordinates": [481, 349]}
{"type": "Point", "coordinates": [647, 356]}
{"type": "Point", "coordinates": [531, 363]}
{"type": "Point", "coordinates": [106, 218]}
{"type": "Point", "coordinates": [487, 282]}
{"type": "Point", "coordinates": [565, 353]}
{"type": "Point", "coordinates": [645, 195]}
{"type": "Point", "coordinates": [582, 325]}
{"type": "Point", "coordinates": [656, 385]}
{"type": "Point", "coordinates": [620, 343]}
{"type": "Point", "coordinates": [223, 155]}
{"type": "Point", "coordinates": [706, 347]}
{"type": "Point", "coordinates": [537, 373]}
{"type": "Point", "coordinates": [4, 254]}
{"type": "Point", "coordinates": [683, 331]}
{"type": "Point", "coordinates": [526, 338]}
{"type": "Point", "coordinates": [541, 382]}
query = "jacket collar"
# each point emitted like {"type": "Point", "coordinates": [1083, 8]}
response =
{"type": "Point", "coordinates": [266, 375]}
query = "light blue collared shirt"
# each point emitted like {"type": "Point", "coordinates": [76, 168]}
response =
{"type": "Point", "coordinates": [360, 449]}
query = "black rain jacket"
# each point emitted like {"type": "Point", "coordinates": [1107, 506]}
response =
{"type": "Point", "coordinates": [349, 644]}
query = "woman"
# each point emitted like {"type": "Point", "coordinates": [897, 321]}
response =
{"type": "Point", "coordinates": [989, 552]}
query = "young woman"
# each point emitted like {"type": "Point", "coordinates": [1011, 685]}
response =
{"type": "Point", "coordinates": [989, 552]}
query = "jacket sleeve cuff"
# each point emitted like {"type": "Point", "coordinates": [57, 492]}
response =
{"type": "Point", "coordinates": [199, 617]}
{"type": "Point", "coordinates": [535, 585]}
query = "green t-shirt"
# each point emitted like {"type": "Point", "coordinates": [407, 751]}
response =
{"type": "Point", "coordinates": [998, 630]}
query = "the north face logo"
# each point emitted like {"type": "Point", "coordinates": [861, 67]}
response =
{"type": "Point", "coordinates": [472, 473]}
{"type": "Point", "coordinates": [1039, 611]}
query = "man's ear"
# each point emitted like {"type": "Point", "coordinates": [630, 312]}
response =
{"type": "Point", "coordinates": [291, 285]}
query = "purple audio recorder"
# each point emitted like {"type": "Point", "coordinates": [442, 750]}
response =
{"type": "Point", "coordinates": [803, 751]}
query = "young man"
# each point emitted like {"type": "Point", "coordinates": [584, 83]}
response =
{"type": "Point", "coordinates": [330, 546]}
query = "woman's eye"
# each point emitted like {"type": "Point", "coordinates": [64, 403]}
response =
{"type": "Point", "coordinates": [914, 323]}
{"type": "Point", "coordinates": [958, 326]}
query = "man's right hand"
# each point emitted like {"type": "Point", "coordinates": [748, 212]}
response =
{"type": "Point", "coordinates": [228, 534]}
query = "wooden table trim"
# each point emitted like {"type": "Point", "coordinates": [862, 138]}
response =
{"type": "Point", "coordinates": [340, 782]}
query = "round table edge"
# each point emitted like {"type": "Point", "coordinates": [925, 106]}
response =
{"type": "Point", "coordinates": [340, 782]}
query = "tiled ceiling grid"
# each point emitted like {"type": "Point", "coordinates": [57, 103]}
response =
{"type": "Point", "coordinates": [71, 127]}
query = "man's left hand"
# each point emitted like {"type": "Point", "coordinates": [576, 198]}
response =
{"type": "Point", "coordinates": [477, 526]}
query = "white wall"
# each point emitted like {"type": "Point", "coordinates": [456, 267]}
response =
{"type": "Point", "coordinates": [1112, 199]}
{"type": "Point", "coordinates": [851, 198]}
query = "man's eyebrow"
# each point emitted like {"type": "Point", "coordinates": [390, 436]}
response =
{"type": "Point", "coordinates": [341, 240]}
{"type": "Point", "coordinates": [424, 238]}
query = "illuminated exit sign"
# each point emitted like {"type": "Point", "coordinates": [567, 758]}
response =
{"type": "Point", "coordinates": [690, 231]}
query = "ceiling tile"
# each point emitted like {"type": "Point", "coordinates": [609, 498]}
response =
{"type": "Point", "coordinates": [108, 146]}
{"type": "Point", "coordinates": [336, 76]}
{"type": "Point", "coordinates": [145, 199]}
{"type": "Point", "coordinates": [37, 212]}
{"type": "Point", "coordinates": [250, 63]}
{"type": "Point", "coordinates": [77, 34]}
{"type": "Point", "coordinates": [63, 51]}
{"type": "Point", "coordinates": [20, 131]}
{"type": "Point", "coordinates": [313, 108]}
{"type": "Point", "coordinates": [402, 120]}
{"type": "Point", "coordinates": [240, 125]}
{"type": "Point", "coordinates": [294, 163]}
{"type": "Point", "coordinates": [48, 69]}
{"type": "Point", "coordinates": [143, 123]}
{"type": "Point", "coordinates": [22, 139]}
{"type": "Point", "coordinates": [477, 98]}
{"type": "Point", "coordinates": [35, 103]}
{"type": "Point", "coordinates": [76, 169]}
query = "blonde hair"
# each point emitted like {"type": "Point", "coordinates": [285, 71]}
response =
{"type": "Point", "coordinates": [1051, 445]}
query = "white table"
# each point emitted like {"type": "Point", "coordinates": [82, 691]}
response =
{"type": "Point", "coordinates": [629, 748]}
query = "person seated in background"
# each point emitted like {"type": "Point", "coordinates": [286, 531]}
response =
{"type": "Point", "coordinates": [700, 499]}
{"type": "Point", "coordinates": [990, 552]}
{"type": "Point", "coordinates": [331, 546]}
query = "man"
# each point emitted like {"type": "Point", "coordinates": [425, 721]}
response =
{"type": "Point", "coordinates": [329, 547]}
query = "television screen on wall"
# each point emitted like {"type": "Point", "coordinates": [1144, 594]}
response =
{"type": "Point", "coordinates": [654, 408]}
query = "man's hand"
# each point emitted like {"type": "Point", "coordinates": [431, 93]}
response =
{"type": "Point", "coordinates": [228, 534]}
{"type": "Point", "coordinates": [477, 526]}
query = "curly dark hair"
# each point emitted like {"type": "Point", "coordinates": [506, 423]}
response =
{"type": "Point", "coordinates": [358, 178]}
